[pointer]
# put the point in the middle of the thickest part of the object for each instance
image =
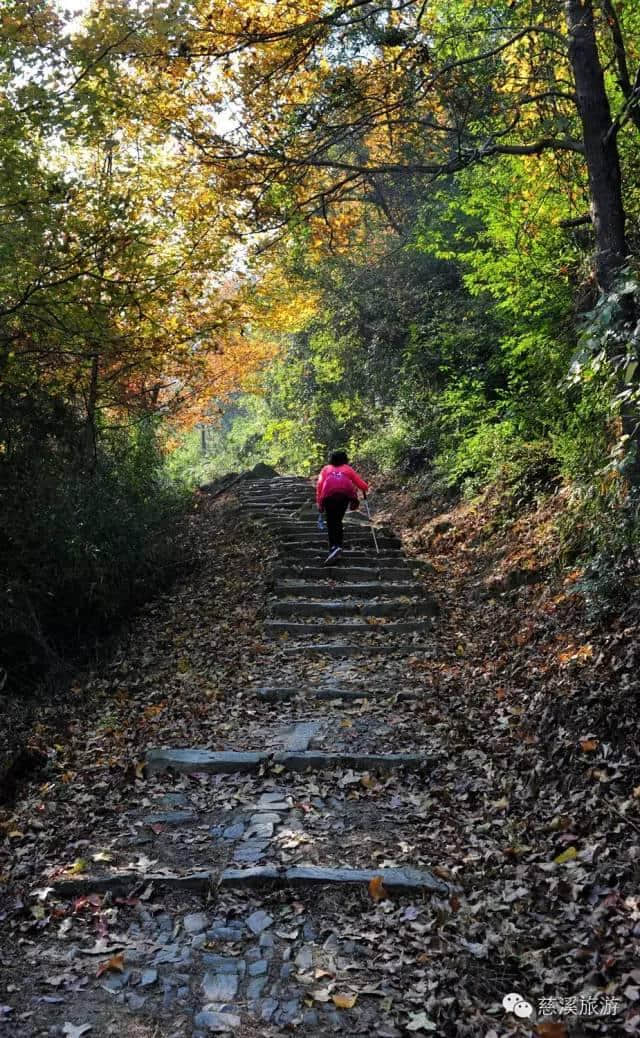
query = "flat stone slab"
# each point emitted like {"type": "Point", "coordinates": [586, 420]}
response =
{"type": "Point", "coordinates": [260, 830]}
{"type": "Point", "coordinates": [199, 882]}
{"type": "Point", "coordinates": [312, 589]}
{"type": "Point", "coordinates": [259, 921]}
{"type": "Point", "coordinates": [234, 832]}
{"type": "Point", "coordinates": [220, 987]}
{"type": "Point", "coordinates": [279, 695]}
{"type": "Point", "coordinates": [345, 573]}
{"type": "Point", "coordinates": [256, 876]}
{"type": "Point", "coordinates": [272, 802]}
{"type": "Point", "coordinates": [265, 818]}
{"type": "Point", "coordinates": [313, 760]}
{"type": "Point", "coordinates": [223, 963]}
{"type": "Point", "coordinates": [171, 818]}
{"type": "Point", "coordinates": [217, 1023]}
{"type": "Point", "coordinates": [406, 880]}
{"type": "Point", "coordinates": [195, 922]}
{"type": "Point", "coordinates": [299, 737]}
{"type": "Point", "coordinates": [338, 650]}
{"type": "Point", "coordinates": [251, 851]}
{"type": "Point", "coordinates": [276, 627]}
{"type": "Point", "coordinates": [221, 763]}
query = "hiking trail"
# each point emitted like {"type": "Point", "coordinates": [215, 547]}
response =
{"type": "Point", "coordinates": [290, 804]}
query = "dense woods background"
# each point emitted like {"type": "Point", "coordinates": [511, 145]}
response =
{"type": "Point", "coordinates": [409, 228]}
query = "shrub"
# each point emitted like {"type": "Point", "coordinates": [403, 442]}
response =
{"type": "Point", "coordinates": [81, 539]}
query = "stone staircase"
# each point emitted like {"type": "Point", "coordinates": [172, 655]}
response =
{"type": "Point", "coordinates": [366, 605]}
{"type": "Point", "coordinates": [368, 602]}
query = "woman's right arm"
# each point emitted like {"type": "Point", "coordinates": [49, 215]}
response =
{"type": "Point", "coordinates": [358, 480]}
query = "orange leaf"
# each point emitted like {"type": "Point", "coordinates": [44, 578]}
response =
{"type": "Point", "coordinates": [115, 963]}
{"type": "Point", "coordinates": [377, 889]}
{"type": "Point", "coordinates": [589, 745]}
{"type": "Point", "coordinates": [551, 1029]}
{"type": "Point", "coordinates": [344, 1001]}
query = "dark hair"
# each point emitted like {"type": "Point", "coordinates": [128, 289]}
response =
{"type": "Point", "coordinates": [338, 458]}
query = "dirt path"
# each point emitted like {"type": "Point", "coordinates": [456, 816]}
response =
{"type": "Point", "coordinates": [281, 813]}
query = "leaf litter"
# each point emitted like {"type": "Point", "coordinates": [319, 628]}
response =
{"type": "Point", "coordinates": [531, 810]}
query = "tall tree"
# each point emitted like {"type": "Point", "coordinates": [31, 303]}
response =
{"type": "Point", "coordinates": [600, 142]}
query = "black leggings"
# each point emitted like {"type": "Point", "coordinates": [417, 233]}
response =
{"type": "Point", "coordinates": [334, 509]}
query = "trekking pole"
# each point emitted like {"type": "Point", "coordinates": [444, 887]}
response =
{"type": "Point", "coordinates": [373, 532]}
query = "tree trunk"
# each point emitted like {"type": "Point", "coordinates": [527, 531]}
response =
{"type": "Point", "coordinates": [91, 405]}
{"type": "Point", "coordinates": [605, 184]}
{"type": "Point", "coordinates": [601, 147]}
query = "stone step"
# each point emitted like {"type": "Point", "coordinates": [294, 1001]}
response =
{"type": "Point", "coordinates": [349, 650]}
{"type": "Point", "coordinates": [312, 589]}
{"type": "Point", "coordinates": [224, 762]}
{"type": "Point", "coordinates": [397, 881]}
{"type": "Point", "coordinates": [339, 630]}
{"type": "Point", "coordinates": [353, 556]}
{"type": "Point", "coordinates": [331, 608]}
{"type": "Point", "coordinates": [345, 573]}
{"type": "Point", "coordinates": [275, 500]}
{"type": "Point", "coordinates": [301, 527]}
{"type": "Point", "coordinates": [274, 493]}
{"type": "Point", "coordinates": [267, 507]}
{"type": "Point", "coordinates": [284, 487]}
{"type": "Point", "coordinates": [353, 542]}
{"type": "Point", "coordinates": [285, 693]}
{"type": "Point", "coordinates": [307, 523]}
{"type": "Point", "coordinates": [381, 763]}
{"type": "Point", "coordinates": [278, 481]}
{"type": "Point", "coordinates": [271, 491]}
{"type": "Point", "coordinates": [195, 761]}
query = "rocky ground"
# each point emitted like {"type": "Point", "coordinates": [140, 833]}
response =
{"type": "Point", "coordinates": [375, 801]}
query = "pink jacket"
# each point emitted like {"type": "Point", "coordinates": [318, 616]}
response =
{"type": "Point", "coordinates": [353, 480]}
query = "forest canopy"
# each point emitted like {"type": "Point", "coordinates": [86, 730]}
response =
{"type": "Point", "coordinates": [410, 228]}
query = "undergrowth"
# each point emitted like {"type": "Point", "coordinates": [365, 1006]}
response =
{"type": "Point", "coordinates": [84, 536]}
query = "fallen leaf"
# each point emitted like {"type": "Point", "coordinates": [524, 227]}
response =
{"type": "Point", "coordinates": [115, 963]}
{"type": "Point", "coordinates": [346, 1001]}
{"type": "Point", "coordinates": [589, 745]}
{"type": "Point", "coordinates": [80, 865]}
{"type": "Point", "coordinates": [420, 1022]}
{"type": "Point", "coordinates": [551, 1029]}
{"type": "Point", "coordinates": [566, 856]}
{"type": "Point", "coordinates": [321, 994]}
{"type": "Point", "coordinates": [377, 889]}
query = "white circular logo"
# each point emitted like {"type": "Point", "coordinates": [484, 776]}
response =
{"type": "Point", "coordinates": [515, 1003]}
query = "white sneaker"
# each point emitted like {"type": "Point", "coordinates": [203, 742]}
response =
{"type": "Point", "coordinates": [333, 554]}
